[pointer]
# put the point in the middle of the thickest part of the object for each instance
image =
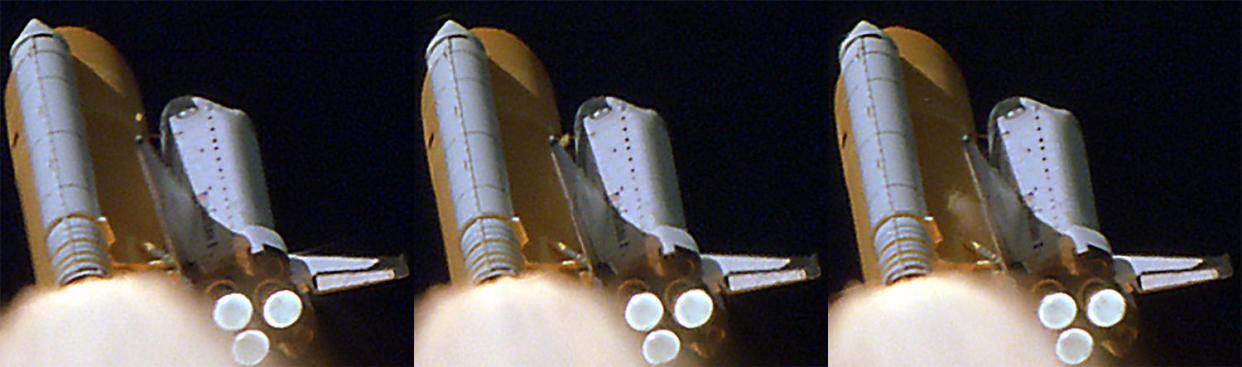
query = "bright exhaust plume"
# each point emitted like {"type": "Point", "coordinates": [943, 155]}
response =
{"type": "Point", "coordinates": [944, 319]}
{"type": "Point", "coordinates": [127, 320]}
{"type": "Point", "coordinates": [533, 320]}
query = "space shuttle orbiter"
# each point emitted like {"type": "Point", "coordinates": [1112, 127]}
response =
{"type": "Point", "coordinates": [925, 196]}
{"type": "Point", "coordinates": [98, 199]}
{"type": "Point", "coordinates": [602, 203]}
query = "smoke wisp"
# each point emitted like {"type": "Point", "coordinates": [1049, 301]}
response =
{"type": "Point", "coordinates": [946, 319]}
{"type": "Point", "coordinates": [128, 320]}
{"type": "Point", "coordinates": [533, 320]}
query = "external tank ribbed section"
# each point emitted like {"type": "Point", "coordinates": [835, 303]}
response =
{"type": "Point", "coordinates": [56, 134]}
{"type": "Point", "coordinates": [478, 181]}
{"type": "Point", "coordinates": [884, 139]}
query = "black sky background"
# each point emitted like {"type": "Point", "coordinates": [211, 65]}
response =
{"type": "Point", "coordinates": [746, 89]}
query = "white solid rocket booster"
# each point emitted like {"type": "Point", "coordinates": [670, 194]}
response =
{"type": "Point", "coordinates": [478, 182]}
{"type": "Point", "coordinates": [884, 139]}
{"type": "Point", "coordinates": [56, 134]}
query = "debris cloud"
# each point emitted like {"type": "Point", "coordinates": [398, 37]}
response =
{"type": "Point", "coordinates": [944, 319]}
{"type": "Point", "coordinates": [127, 320]}
{"type": "Point", "coordinates": [537, 319]}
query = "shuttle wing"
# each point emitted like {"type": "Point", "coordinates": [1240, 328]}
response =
{"type": "Point", "coordinates": [334, 273]}
{"type": "Point", "coordinates": [747, 273]}
{"type": "Point", "coordinates": [1154, 273]}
